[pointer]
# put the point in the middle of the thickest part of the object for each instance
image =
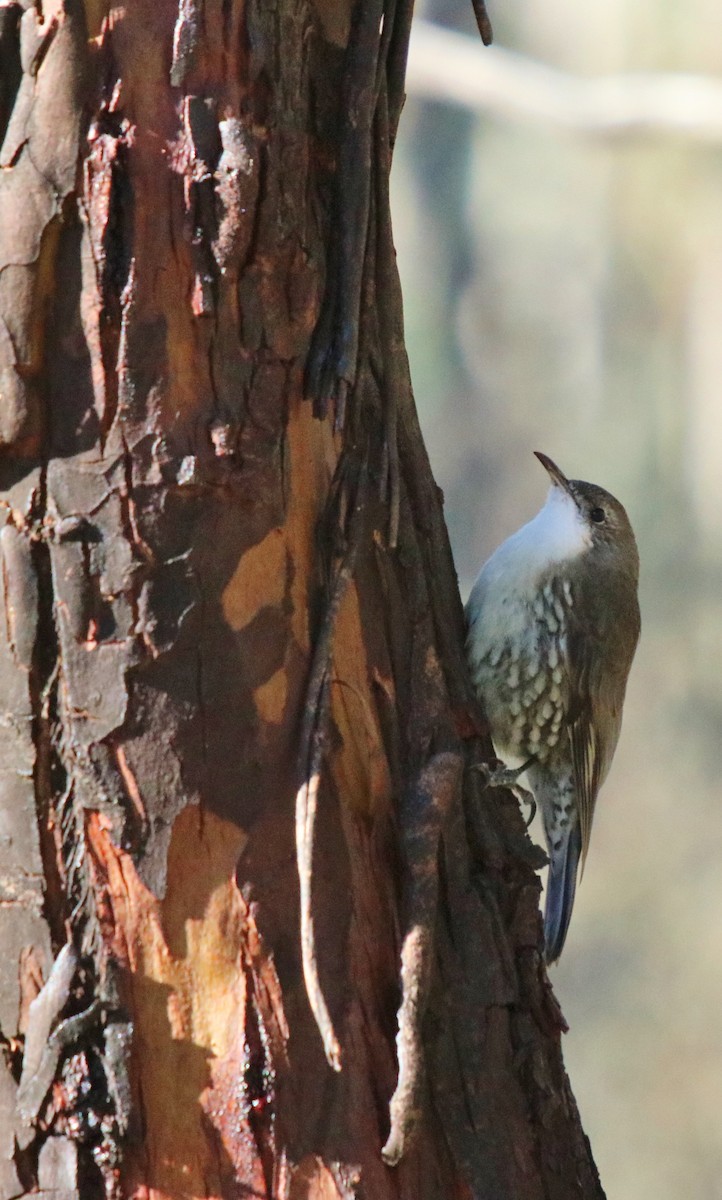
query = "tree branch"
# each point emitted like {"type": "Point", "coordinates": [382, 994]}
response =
{"type": "Point", "coordinates": [455, 69]}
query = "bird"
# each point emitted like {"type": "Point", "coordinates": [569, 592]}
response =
{"type": "Point", "coordinates": [553, 623]}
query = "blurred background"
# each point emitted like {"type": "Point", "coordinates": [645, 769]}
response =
{"type": "Point", "coordinates": [563, 292]}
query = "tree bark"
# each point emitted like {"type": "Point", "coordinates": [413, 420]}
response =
{"type": "Point", "coordinates": [264, 934]}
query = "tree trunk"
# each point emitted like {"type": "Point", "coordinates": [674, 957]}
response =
{"type": "Point", "coordinates": [231, 652]}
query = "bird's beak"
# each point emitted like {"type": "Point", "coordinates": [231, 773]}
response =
{"type": "Point", "coordinates": [555, 474]}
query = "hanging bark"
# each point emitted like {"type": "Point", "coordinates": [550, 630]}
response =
{"type": "Point", "coordinates": [264, 932]}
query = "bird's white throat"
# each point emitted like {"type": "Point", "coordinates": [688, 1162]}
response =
{"type": "Point", "coordinates": [559, 530]}
{"type": "Point", "coordinates": [556, 534]}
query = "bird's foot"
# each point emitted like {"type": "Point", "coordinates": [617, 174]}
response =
{"type": "Point", "coordinates": [508, 777]}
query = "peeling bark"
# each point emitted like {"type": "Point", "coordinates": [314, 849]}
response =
{"type": "Point", "coordinates": [231, 647]}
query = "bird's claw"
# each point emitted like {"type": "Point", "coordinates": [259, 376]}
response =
{"type": "Point", "coordinates": [526, 797]}
{"type": "Point", "coordinates": [507, 777]}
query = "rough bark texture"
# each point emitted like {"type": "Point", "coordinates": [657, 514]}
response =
{"type": "Point", "coordinates": [230, 647]}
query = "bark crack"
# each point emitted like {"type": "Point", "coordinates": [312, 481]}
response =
{"type": "Point", "coordinates": [314, 735]}
{"type": "Point", "coordinates": [48, 773]}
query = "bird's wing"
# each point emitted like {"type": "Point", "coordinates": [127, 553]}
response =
{"type": "Point", "coordinates": [590, 761]}
{"type": "Point", "coordinates": [598, 664]}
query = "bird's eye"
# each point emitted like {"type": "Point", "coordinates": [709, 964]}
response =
{"type": "Point", "coordinates": [597, 515]}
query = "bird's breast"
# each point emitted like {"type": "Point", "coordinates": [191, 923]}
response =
{"type": "Point", "coordinates": [518, 657]}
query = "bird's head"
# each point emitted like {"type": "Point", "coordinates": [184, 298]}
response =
{"type": "Point", "coordinates": [601, 520]}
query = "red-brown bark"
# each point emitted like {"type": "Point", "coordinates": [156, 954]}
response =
{"type": "Point", "coordinates": [233, 647]}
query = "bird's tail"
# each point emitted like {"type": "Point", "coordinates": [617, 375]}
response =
{"type": "Point", "coordinates": [561, 886]}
